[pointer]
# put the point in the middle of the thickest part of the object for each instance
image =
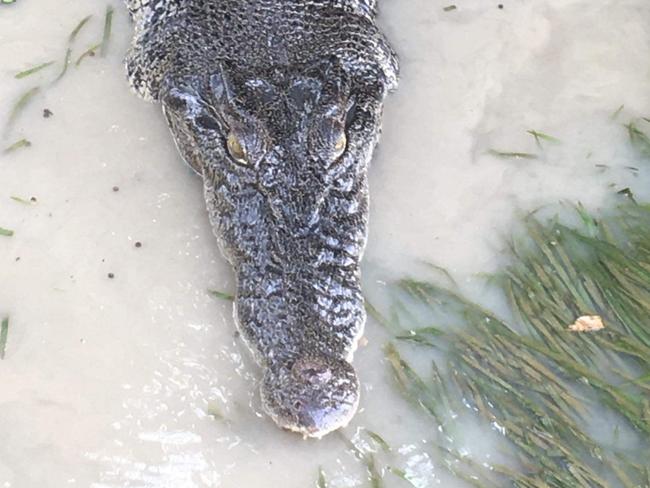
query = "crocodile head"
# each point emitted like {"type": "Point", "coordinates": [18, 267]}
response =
{"type": "Point", "coordinates": [280, 131]}
{"type": "Point", "coordinates": [284, 154]}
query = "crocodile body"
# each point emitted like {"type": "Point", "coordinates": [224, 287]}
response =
{"type": "Point", "coordinates": [277, 105]}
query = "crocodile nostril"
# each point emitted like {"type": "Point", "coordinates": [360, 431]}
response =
{"type": "Point", "coordinates": [311, 370]}
{"type": "Point", "coordinates": [313, 395]}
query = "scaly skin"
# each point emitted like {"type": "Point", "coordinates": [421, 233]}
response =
{"type": "Point", "coordinates": [299, 85]}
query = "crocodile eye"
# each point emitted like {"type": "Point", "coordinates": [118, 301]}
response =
{"type": "Point", "coordinates": [341, 144]}
{"type": "Point", "coordinates": [207, 122]}
{"type": "Point", "coordinates": [235, 149]}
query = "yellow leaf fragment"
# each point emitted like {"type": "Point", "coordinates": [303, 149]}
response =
{"type": "Point", "coordinates": [587, 323]}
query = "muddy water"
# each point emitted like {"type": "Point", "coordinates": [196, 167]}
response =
{"type": "Point", "coordinates": [138, 380]}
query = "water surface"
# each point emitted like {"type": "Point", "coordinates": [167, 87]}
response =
{"type": "Point", "coordinates": [109, 382]}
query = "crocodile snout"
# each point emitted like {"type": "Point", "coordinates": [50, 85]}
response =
{"type": "Point", "coordinates": [313, 395]}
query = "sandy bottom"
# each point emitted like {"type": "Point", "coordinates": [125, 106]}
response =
{"type": "Point", "coordinates": [107, 382]}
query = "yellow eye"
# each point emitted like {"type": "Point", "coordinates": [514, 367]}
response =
{"type": "Point", "coordinates": [235, 149]}
{"type": "Point", "coordinates": [341, 143]}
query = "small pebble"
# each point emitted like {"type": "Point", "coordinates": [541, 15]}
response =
{"type": "Point", "coordinates": [47, 113]}
{"type": "Point", "coordinates": [501, 6]}
{"type": "Point", "coordinates": [111, 275]}
{"type": "Point", "coordinates": [116, 188]}
{"type": "Point", "coordinates": [33, 199]}
{"type": "Point", "coordinates": [138, 244]}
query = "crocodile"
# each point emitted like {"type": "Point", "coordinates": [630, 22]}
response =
{"type": "Point", "coordinates": [277, 105]}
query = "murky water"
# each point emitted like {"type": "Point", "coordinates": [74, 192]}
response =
{"type": "Point", "coordinates": [108, 382]}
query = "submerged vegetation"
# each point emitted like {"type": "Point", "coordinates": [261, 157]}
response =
{"type": "Point", "coordinates": [4, 331]}
{"type": "Point", "coordinates": [512, 155]}
{"type": "Point", "coordinates": [20, 104]}
{"type": "Point", "coordinates": [221, 295]}
{"type": "Point", "coordinates": [533, 378]}
{"type": "Point", "coordinates": [540, 136]}
{"type": "Point", "coordinates": [26, 98]}
{"type": "Point", "coordinates": [20, 144]}
{"type": "Point", "coordinates": [68, 52]}
{"type": "Point", "coordinates": [108, 25]}
{"type": "Point", "coordinates": [560, 372]}
{"type": "Point", "coordinates": [33, 70]}
{"type": "Point", "coordinates": [639, 139]}
{"type": "Point", "coordinates": [91, 51]}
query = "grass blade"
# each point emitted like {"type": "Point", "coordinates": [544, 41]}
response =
{"type": "Point", "coordinates": [322, 482]}
{"type": "Point", "coordinates": [540, 136]}
{"type": "Point", "coordinates": [31, 71]}
{"type": "Point", "coordinates": [20, 104]}
{"type": "Point", "coordinates": [20, 144]}
{"type": "Point", "coordinates": [4, 331]}
{"type": "Point", "coordinates": [511, 155]}
{"type": "Point", "coordinates": [91, 51]}
{"type": "Point", "coordinates": [108, 23]}
{"type": "Point", "coordinates": [75, 32]}
{"type": "Point", "coordinates": [222, 295]}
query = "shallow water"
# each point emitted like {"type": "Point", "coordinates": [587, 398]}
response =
{"type": "Point", "coordinates": [107, 382]}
